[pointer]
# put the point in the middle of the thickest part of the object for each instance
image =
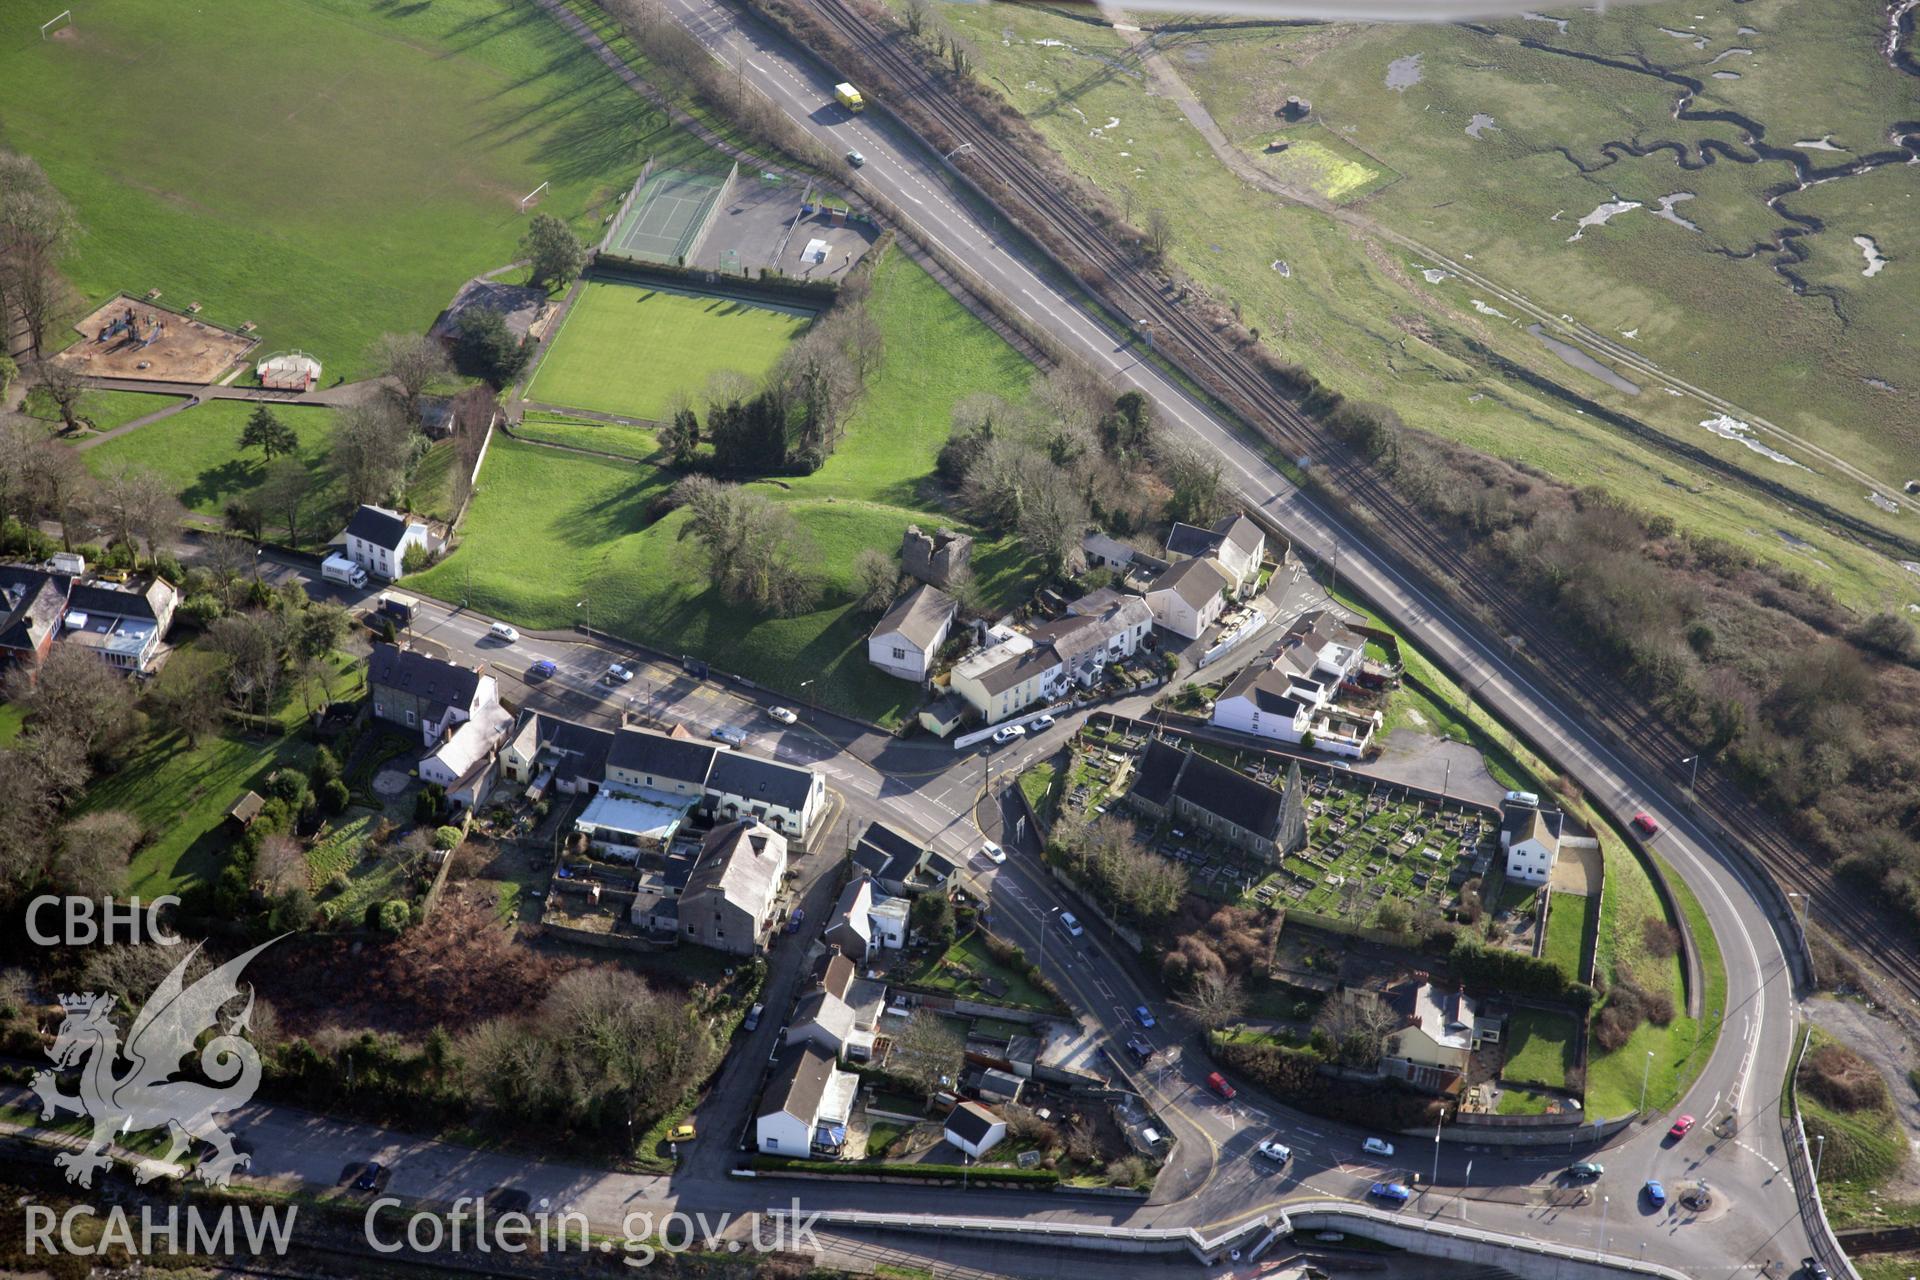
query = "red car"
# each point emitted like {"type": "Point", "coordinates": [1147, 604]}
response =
{"type": "Point", "coordinates": [1680, 1127]}
{"type": "Point", "coordinates": [1218, 1083]}
{"type": "Point", "coordinates": [1644, 824]}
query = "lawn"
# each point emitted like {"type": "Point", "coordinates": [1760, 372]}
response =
{"type": "Point", "coordinates": [105, 409]}
{"type": "Point", "coordinates": [637, 443]}
{"type": "Point", "coordinates": [549, 529]}
{"type": "Point", "coordinates": [12, 719]}
{"type": "Point", "coordinates": [181, 794]}
{"type": "Point", "coordinates": [628, 349]}
{"type": "Point", "coordinates": [326, 169]}
{"type": "Point", "coordinates": [959, 970]}
{"type": "Point", "coordinates": [1570, 934]}
{"type": "Point", "coordinates": [1539, 1047]}
{"type": "Point", "coordinates": [198, 451]}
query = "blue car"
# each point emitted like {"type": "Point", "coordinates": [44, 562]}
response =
{"type": "Point", "coordinates": [1656, 1194]}
{"type": "Point", "coordinates": [543, 669]}
{"type": "Point", "coordinates": [1143, 1016]}
{"type": "Point", "coordinates": [1398, 1192]}
{"type": "Point", "coordinates": [727, 733]}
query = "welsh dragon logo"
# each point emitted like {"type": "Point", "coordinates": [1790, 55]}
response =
{"type": "Point", "coordinates": [145, 1095]}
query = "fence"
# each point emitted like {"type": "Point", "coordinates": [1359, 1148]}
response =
{"type": "Point", "coordinates": [619, 218]}
{"type": "Point", "coordinates": [1806, 1188]}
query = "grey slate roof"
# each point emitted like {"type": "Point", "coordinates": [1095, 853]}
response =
{"type": "Point", "coordinates": [970, 1122]}
{"type": "Point", "coordinates": [1269, 690]}
{"type": "Point", "coordinates": [646, 752]}
{"type": "Point", "coordinates": [31, 602]}
{"type": "Point", "coordinates": [767, 781]}
{"type": "Point", "coordinates": [441, 684]}
{"type": "Point", "coordinates": [1195, 581]}
{"type": "Point", "coordinates": [377, 525]}
{"type": "Point", "coordinates": [918, 616]}
{"type": "Point", "coordinates": [798, 1083]}
{"type": "Point", "coordinates": [1239, 530]}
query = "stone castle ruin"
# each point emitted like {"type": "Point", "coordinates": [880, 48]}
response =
{"type": "Point", "coordinates": [942, 558]}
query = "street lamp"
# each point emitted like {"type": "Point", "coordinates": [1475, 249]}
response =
{"type": "Point", "coordinates": [1436, 1155]}
{"type": "Point", "coordinates": [1601, 1250]}
{"type": "Point", "coordinates": [1805, 904]}
{"type": "Point", "coordinates": [1466, 1180]}
{"type": "Point", "coordinates": [1819, 1149]}
{"type": "Point", "coordinates": [803, 690]}
{"type": "Point", "coordinates": [1645, 1072]}
{"type": "Point", "coordinates": [588, 615]}
{"type": "Point", "coordinates": [965, 146]}
{"type": "Point", "coordinates": [1693, 777]}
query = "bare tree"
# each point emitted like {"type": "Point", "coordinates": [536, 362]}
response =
{"type": "Point", "coordinates": [284, 492]}
{"type": "Point", "coordinates": [413, 362]}
{"type": "Point", "coordinates": [67, 389]}
{"type": "Point", "coordinates": [228, 557]}
{"type": "Point", "coordinates": [281, 865]}
{"type": "Point", "coordinates": [376, 449]}
{"type": "Point", "coordinates": [37, 229]}
{"type": "Point", "coordinates": [1358, 1022]}
{"type": "Point", "coordinates": [756, 552]}
{"type": "Point", "coordinates": [876, 579]}
{"type": "Point", "coordinates": [190, 694]}
{"type": "Point", "coordinates": [928, 1052]}
{"type": "Point", "coordinates": [58, 481]}
{"type": "Point", "coordinates": [136, 505]}
{"type": "Point", "coordinates": [75, 695]}
{"type": "Point", "coordinates": [1159, 232]}
{"type": "Point", "coordinates": [92, 853]}
{"type": "Point", "coordinates": [1215, 1000]}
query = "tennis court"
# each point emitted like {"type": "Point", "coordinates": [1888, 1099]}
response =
{"type": "Point", "coordinates": [668, 215]}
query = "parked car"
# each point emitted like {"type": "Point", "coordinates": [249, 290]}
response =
{"type": "Point", "coordinates": [1040, 723]}
{"type": "Point", "coordinates": [752, 1022]}
{"type": "Point", "coordinates": [728, 734]}
{"type": "Point", "coordinates": [1814, 1269]}
{"type": "Point", "coordinates": [1398, 1192]}
{"type": "Point", "coordinates": [1645, 825]}
{"type": "Point", "coordinates": [1527, 798]}
{"type": "Point", "coordinates": [1586, 1169]}
{"type": "Point", "coordinates": [779, 1043]}
{"type": "Point", "coordinates": [1141, 1049]}
{"type": "Point", "coordinates": [1071, 923]}
{"type": "Point", "coordinates": [1143, 1016]}
{"type": "Point", "coordinates": [1218, 1083]}
{"type": "Point", "coordinates": [784, 715]}
{"type": "Point", "coordinates": [994, 852]}
{"type": "Point", "coordinates": [544, 669]}
{"type": "Point", "coordinates": [1007, 733]}
{"type": "Point", "coordinates": [369, 1178]}
{"type": "Point", "coordinates": [619, 673]}
{"type": "Point", "coordinates": [855, 159]}
{"type": "Point", "coordinates": [1277, 1152]}
{"type": "Point", "coordinates": [502, 632]}
{"type": "Point", "coordinates": [795, 920]}
{"type": "Point", "coordinates": [1377, 1147]}
{"type": "Point", "coordinates": [1681, 1127]}
{"type": "Point", "coordinates": [682, 1133]}
{"type": "Point", "coordinates": [1656, 1194]}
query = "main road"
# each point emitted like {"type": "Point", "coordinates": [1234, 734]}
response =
{"type": "Point", "coordinates": [1212, 1182]}
{"type": "Point", "coordinates": [1741, 1079]}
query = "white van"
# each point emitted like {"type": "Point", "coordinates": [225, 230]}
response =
{"type": "Point", "coordinates": [1526, 798]}
{"type": "Point", "coordinates": [502, 632]}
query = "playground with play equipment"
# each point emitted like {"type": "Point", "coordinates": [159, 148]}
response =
{"type": "Point", "coordinates": [137, 338]}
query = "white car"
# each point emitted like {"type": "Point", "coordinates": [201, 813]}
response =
{"type": "Point", "coordinates": [618, 674]}
{"type": "Point", "coordinates": [1008, 734]}
{"type": "Point", "coordinates": [1377, 1147]}
{"type": "Point", "coordinates": [784, 715]}
{"type": "Point", "coordinates": [994, 852]}
{"type": "Point", "coordinates": [1071, 924]}
{"type": "Point", "coordinates": [1276, 1152]}
{"type": "Point", "coordinates": [1040, 724]}
{"type": "Point", "coordinates": [502, 632]}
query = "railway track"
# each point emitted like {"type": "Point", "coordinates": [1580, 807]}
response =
{"type": "Point", "coordinates": [1116, 276]}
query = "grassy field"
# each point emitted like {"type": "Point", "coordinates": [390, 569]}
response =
{"type": "Point", "coordinates": [325, 169]}
{"type": "Point", "coordinates": [1539, 1047]}
{"type": "Point", "coordinates": [1361, 313]}
{"type": "Point", "coordinates": [549, 529]}
{"type": "Point", "coordinates": [626, 349]}
{"type": "Point", "coordinates": [106, 409]}
{"type": "Point", "coordinates": [12, 719]}
{"type": "Point", "coordinates": [198, 451]}
{"type": "Point", "coordinates": [1570, 934]}
{"type": "Point", "coordinates": [637, 443]}
{"type": "Point", "coordinates": [181, 795]}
